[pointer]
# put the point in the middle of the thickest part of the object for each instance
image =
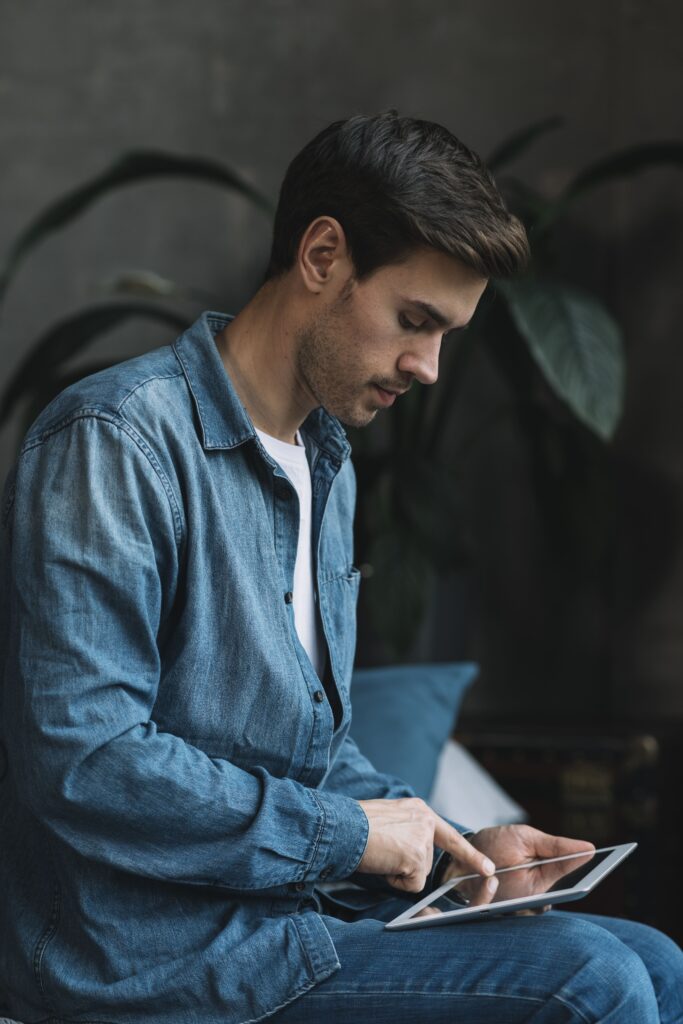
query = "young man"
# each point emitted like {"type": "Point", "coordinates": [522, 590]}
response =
{"type": "Point", "coordinates": [178, 637]}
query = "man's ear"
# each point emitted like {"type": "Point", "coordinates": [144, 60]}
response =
{"type": "Point", "coordinates": [323, 255]}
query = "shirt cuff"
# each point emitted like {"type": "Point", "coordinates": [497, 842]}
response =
{"type": "Point", "coordinates": [342, 838]}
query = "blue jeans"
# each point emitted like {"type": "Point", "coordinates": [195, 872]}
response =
{"type": "Point", "coordinates": [553, 968]}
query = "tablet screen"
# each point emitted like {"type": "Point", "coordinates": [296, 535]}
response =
{"type": "Point", "coordinates": [515, 883]}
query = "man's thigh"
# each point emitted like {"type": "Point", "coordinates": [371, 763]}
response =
{"type": "Point", "coordinates": [547, 969]}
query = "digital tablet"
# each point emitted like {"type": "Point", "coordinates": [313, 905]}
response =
{"type": "Point", "coordinates": [534, 884]}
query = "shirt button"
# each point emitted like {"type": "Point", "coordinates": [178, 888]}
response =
{"type": "Point", "coordinates": [326, 872]}
{"type": "Point", "coordinates": [319, 696]}
{"type": "Point", "coordinates": [299, 886]}
{"type": "Point", "coordinates": [289, 597]}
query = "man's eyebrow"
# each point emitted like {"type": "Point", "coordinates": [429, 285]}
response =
{"type": "Point", "coordinates": [435, 314]}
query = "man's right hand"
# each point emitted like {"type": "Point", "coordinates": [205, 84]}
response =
{"type": "Point", "coordinates": [401, 842]}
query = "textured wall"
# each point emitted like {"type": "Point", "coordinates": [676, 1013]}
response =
{"type": "Point", "coordinates": [250, 82]}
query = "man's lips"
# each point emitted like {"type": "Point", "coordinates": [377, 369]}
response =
{"type": "Point", "coordinates": [386, 396]}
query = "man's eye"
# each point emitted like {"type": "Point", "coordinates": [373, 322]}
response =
{"type": "Point", "coordinates": [407, 324]}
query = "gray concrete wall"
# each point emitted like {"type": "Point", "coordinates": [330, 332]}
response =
{"type": "Point", "coordinates": [249, 83]}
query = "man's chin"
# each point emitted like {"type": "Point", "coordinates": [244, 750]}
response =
{"type": "Point", "coordinates": [356, 419]}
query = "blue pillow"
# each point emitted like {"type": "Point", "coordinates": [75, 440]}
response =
{"type": "Point", "coordinates": [402, 716]}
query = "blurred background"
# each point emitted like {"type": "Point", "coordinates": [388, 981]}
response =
{"type": "Point", "coordinates": [543, 537]}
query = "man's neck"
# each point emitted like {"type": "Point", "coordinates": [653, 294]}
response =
{"type": "Point", "coordinates": [258, 352]}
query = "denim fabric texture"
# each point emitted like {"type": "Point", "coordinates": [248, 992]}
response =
{"type": "Point", "coordinates": [172, 786]}
{"type": "Point", "coordinates": [558, 968]}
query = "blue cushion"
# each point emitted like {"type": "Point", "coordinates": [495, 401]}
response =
{"type": "Point", "coordinates": [402, 716]}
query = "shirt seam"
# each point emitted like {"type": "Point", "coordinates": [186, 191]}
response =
{"type": "Point", "coordinates": [140, 443]}
{"type": "Point", "coordinates": [147, 380]}
{"type": "Point", "coordinates": [319, 836]}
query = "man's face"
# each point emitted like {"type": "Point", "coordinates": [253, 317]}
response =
{"type": "Point", "coordinates": [375, 337]}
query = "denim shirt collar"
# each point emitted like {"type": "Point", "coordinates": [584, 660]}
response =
{"type": "Point", "coordinates": [224, 421]}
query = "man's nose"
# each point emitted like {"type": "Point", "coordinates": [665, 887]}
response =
{"type": "Point", "coordinates": [422, 360]}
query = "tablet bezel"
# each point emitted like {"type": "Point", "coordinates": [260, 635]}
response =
{"type": "Point", "coordinates": [407, 918]}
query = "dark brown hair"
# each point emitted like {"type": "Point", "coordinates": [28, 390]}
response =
{"type": "Point", "coordinates": [397, 184]}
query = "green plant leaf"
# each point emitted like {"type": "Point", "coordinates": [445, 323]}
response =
{"type": "Point", "coordinates": [70, 336]}
{"type": "Point", "coordinates": [146, 284]}
{"type": "Point", "coordinates": [515, 144]}
{"type": "Point", "coordinates": [576, 344]}
{"type": "Point", "coordinates": [623, 164]}
{"type": "Point", "coordinates": [131, 168]}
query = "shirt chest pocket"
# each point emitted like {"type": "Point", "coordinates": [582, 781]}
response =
{"type": "Point", "coordinates": [338, 601]}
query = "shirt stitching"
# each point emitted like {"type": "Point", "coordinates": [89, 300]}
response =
{"type": "Point", "coordinates": [116, 421]}
{"type": "Point", "coordinates": [156, 376]}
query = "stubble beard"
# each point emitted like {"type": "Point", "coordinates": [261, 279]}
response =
{"type": "Point", "coordinates": [324, 378]}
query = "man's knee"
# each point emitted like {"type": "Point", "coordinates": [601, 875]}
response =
{"type": "Point", "coordinates": [663, 960]}
{"type": "Point", "coordinates": [605, 979]}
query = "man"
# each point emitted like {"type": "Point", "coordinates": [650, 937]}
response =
{"type": "Point", "coordinates": [178, 638]}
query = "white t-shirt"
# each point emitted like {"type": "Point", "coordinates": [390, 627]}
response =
{"type": "Point", "coordinates": [292, 458]}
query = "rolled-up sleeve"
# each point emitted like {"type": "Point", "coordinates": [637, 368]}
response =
{"type": "Point", "coordinates": [92, 542]}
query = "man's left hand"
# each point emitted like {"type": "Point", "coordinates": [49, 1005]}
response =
{"type": "Point", "coordinates": [508, 845]}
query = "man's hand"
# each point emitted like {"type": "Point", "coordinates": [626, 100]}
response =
{"type": "Point", "coordinates": [516, 844]}
{"type": "Point", "coordinates": [485, 891]}
{"type": "Point", "coordinates": [401, 842]}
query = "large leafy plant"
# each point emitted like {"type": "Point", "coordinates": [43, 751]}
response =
{"type": "Point", "coordinates": [558, 347]}
{"type": "Point", "coordinates": [43, 371]}
{"type": "Point", "coordinates": [560, 353]}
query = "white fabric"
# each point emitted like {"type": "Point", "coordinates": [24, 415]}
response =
{"type": "Point", "coordinates": [465, 792]}
{"type": "Point", "coordinates": [292, 458]}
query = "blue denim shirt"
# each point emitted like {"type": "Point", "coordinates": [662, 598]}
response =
{"type": "Point", "coordinates": [172, 784]}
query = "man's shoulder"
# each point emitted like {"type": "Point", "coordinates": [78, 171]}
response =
{"type": "Point", "coordinates": [142, 386]}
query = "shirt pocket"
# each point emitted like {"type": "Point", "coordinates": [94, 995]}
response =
{"type": "Point", "coordinates": [338, 602]}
